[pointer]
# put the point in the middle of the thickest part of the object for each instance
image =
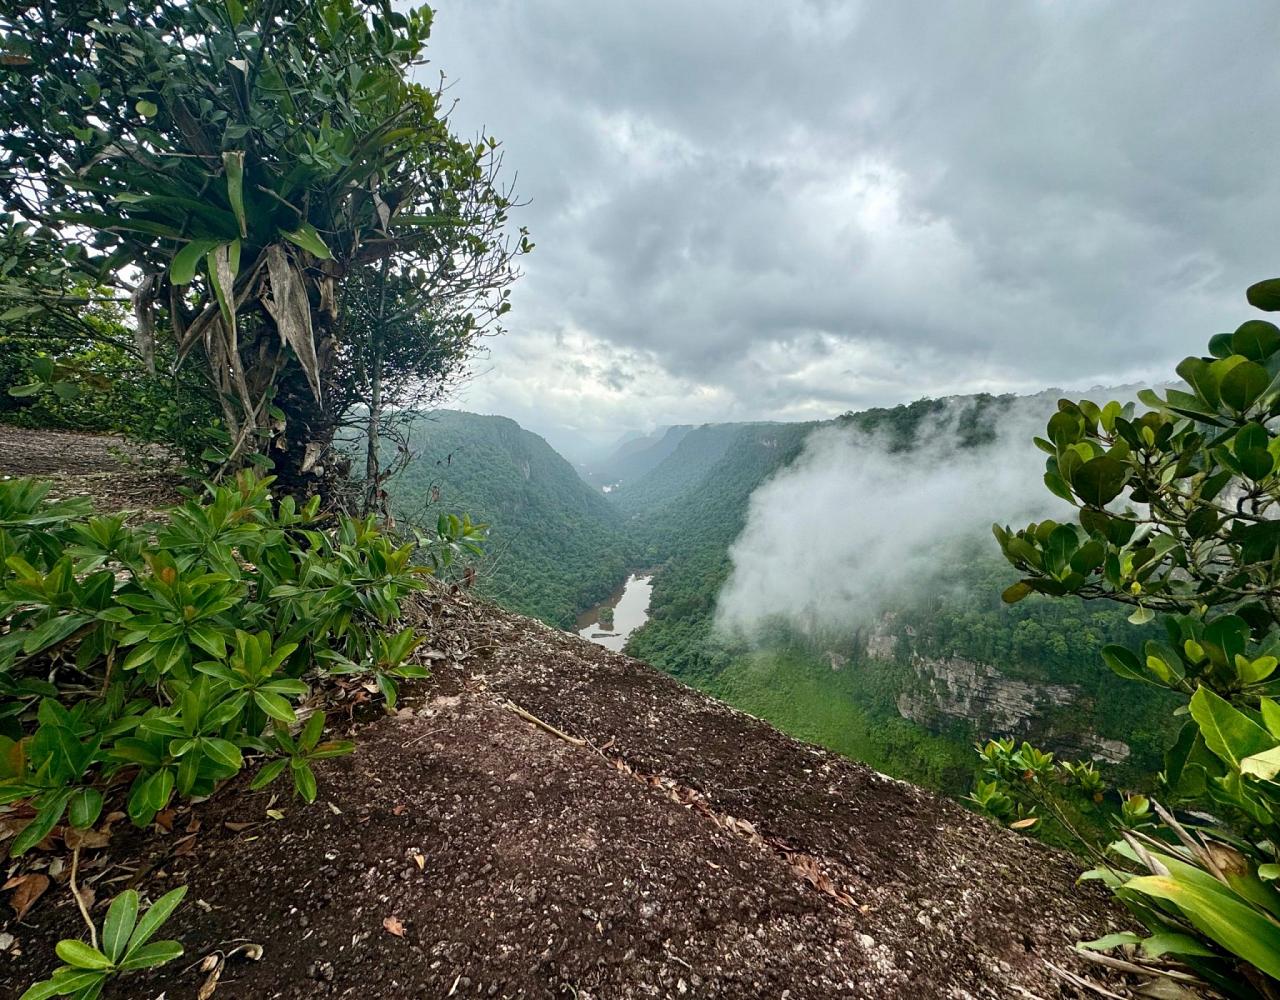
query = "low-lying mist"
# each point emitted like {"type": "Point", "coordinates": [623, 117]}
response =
{"type": "Point", "coordinates": [854, 528]}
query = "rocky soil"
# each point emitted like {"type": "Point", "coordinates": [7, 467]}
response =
{"type": "Point", "coordinates": [548, 819]}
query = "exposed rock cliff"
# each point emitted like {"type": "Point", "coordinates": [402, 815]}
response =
{"type": "Point", "coordinates": [956, 690]}
{"type": "Point", "coordinates": [953, 692]}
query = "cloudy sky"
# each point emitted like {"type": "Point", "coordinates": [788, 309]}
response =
{"type": "Point", "coordinates": [786, 210]}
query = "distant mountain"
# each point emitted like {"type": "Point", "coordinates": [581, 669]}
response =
{"type": "Point", "coordinates": [635, 456]}
{"type": "Point", "coordinates": [556, 545]}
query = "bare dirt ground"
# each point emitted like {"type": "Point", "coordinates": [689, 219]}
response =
{"type": "Point", "coordinates": [634, 839]}
{"type": "Point", "coordinates": [116, 475]}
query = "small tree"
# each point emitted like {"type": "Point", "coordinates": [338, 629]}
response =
{"type": "Point", "coordinates": [1177, 514]}
{"type": "Point", "coordinates": [240, 167]}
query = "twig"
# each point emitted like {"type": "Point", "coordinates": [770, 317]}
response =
{"type": "Point", "coordinates": [422, 736]}
{"type": "Point", "coordinates": [1081, 983]}
{"type": "Point", "coordinates": [75, 891]}
{"type": "Point", "coordinates": [530, 717]}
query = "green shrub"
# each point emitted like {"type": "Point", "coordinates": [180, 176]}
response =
{"type": "Point", "coordinates": [1198, 540]}
{"type": "Point", "coordinates": [126, 947]}
{"type": "Point", "coordinates": [160, 656]}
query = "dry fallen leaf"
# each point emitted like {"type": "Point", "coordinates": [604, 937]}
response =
{"type": "Point", "coordinates": [26, 890]}
{"type": "Point", "coordinates": [89, 839]}
{"type": "Point", "coordinates": [419, 860]}
{"type": "Point", "coordinates": [236, 827]}
{"type": "Point", "coordinates": [392, 925]}
{"type": "Point", "coordinates": [210, 984]}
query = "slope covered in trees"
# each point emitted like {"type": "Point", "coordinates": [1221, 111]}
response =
{"type": "Point", "coordinates": [555, 545]}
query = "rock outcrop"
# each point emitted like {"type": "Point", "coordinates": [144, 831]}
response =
{"type": "Point", "coordinates": [956, 690]}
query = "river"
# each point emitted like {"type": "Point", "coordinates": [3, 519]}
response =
{"type": "Point", "coordinates": [630, 604]}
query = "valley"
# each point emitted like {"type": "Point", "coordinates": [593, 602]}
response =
{"type": "Point", "coordinates": [903, 677]}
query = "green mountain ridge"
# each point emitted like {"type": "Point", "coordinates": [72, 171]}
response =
{"type": "Point", "coordinates": [556, 545]}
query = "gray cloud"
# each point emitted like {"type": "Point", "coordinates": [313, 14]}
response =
{"type": "Point", "coordinates": [788, 210]}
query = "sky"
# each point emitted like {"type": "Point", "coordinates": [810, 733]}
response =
{"type": "Point", "coordinates": [788, 210]}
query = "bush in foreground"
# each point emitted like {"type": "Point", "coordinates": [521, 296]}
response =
{"type": "Point", "coordinates": [149, 662]}
{"type": "Point", "coordinates": [1177, 515]}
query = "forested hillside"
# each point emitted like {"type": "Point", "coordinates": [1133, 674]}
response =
{"type": "Point", "coordinates": [555, 544]}
{"type": "Point", "coordinates": [850, 689]}
{"type": "Point", "coordinates": [908, 692]}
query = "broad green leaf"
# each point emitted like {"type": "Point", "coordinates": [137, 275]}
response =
{"type": "Point", "coordinates": [304, 780]}
{"type": "Point", "coordinates": [223, 752]}
{"type": "Point", "coordinates": [1109, 941]}
{"type": "Point", "coordinates": [233, 163]}
{"type": "Point", "coordinates": [1171, 943]}
{"type": "Point", "coordinates": [275, 706]}
{"type": "Point", "coordinates": [269, 772]}
{"type": "Point", "coordinates": [79, 955]}
{"type": "Point", "coordinates": [85, 808]}
{"type": "Point", "coordinates": [1265, 295]}
{"type": "Point", "coordinates": [47, 817]}
{"type": "Point", "coordinates": [1253, 671]}
{"type": "Point", "coordinates": [64, 981]}
{"type": "Point", "coordinates": [332, 748]}
{"type": "Point", "coordinates": [54, 631]}
{"type": "Point", "coordinates": [1265, 765]}
{"type": "Point", "coordinates": [309, 239]}
{"type": "Point", "coordinates": [1228, 732]}
{"type": "Point", "coordinates": [182, 269]}
{"type": "Point", "coordinates": [1243, 384]}
{"type": "Point", "coordinates": [1099, 481]}
{"type": "Point", "coordinates": [1202, 378]}
{"type": "Point", "coordinates": [1234, 925]}
{"type": "Point", "coordinates": [153, 919]}
{"type": "Point", "coordinates": [312, 731]}
{"type": "Point", "coordinates": [1270, 716]}
{"type": "Point", "coordinates": [1016, 592]}
{"type": "Point", "coordinates": [1125, 663]}
{"type": "Point", "coordinates": [121, 919]}
{"type": "Point", "coordinates": [1256, 339]}
{"type": "Point", "coordinates": [149, 955]}
{"type": "Point", "coordinates": [159, 789]}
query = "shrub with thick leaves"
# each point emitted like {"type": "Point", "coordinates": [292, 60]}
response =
{"type": "Point", "coordinates": [158, 657]}
{"type": "Point", "coordinates": [1177, 515]}
{"type": "Point", "coordinates": [126, 946]}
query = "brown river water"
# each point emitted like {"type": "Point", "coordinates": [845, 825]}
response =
{"type": "Point", "coordinates": [630, 604]}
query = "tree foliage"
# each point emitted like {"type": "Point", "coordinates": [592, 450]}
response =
{"type": "Point", "coordinates": [1176, 514]}
{"type": "Point", "coordinates": [240, 168]}
{"type": "Point", "coordinates": [555, 547]}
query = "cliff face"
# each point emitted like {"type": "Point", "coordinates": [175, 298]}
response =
{"type": "Point", "coordinates": [952, 692]}
{"type": "Point", "coordinates": [956, 690]}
